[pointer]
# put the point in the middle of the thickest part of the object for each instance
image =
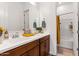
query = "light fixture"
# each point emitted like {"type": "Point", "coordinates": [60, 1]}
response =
{"type": "Point", "coordinates": [33, 3]}
{"type": "Point", "coordinates": [60, 2]}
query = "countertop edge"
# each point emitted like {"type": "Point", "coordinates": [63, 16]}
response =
{"type": "Point", "coordinates": [22, 43]}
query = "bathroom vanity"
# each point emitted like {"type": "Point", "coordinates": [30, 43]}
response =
{"type": "Point", "coordinates": [37, 45]}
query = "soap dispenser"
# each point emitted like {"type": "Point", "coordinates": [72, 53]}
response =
{"type": "Point", "coordinates": [44, 24]}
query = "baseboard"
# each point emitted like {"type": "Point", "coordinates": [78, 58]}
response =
{"type": "Point", "coordinates": [52, 55]}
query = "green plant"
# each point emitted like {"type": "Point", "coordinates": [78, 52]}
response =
{"type": "Point", "coordinates": [39, 29]}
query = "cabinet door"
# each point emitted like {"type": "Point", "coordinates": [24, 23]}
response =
{"type": "Point", "coordinates": [32, 52]}
{"type": "Point", "coordinates": [44, 48]}
{"type": "Point", "coordinates": [47, 47]}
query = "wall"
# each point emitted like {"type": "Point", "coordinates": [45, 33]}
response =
{"type": "Point", "coordinates": [3, 14]}
{"type": "Point", "coordinates": [48, 11]}
{"type": "Point", "coordinates": [12, 15]}
{"type": "Point", "coordinates": [65, 8]}
{"type": "Point", "coordinates": [75, 44]}
{"type": "Point", "coordinates": [15, 16]}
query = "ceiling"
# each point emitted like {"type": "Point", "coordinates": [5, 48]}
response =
{"type": "Point", "coordinates": [63, 3]}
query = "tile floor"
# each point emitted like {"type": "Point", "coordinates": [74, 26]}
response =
{"type": "Point", "coordinates": [64, 52]}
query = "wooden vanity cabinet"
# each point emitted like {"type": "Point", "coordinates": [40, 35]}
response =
{"type": "Point", "coordinates": [33, 52]}
{"type": "Point", "coordinates": [38, 47]}
{"type": "Point", "coordinates": [19, 51]}
{"type": "Point", "coordinates": [44, 46]}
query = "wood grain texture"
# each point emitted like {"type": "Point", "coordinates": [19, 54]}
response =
{"type": "Point", "coordinates": [58, 29]}
{"type": "Point", "coordinates": [38, 47]}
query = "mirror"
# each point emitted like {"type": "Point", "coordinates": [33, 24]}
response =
{"type": "Point", "coordinates": [16, 16]}
{"type": "Point", "coordinates": [31, 16]}
{"type": "Point", "coordinates": [12, 15]}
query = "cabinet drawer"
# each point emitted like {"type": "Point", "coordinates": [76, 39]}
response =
{"type": "Point", "coordinates": [32, 52]}
{"type": "Point", "coordinates": [22, 49]}
{"type": "Point", "coordinates": [44, 38]}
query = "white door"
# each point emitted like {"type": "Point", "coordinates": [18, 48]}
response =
{"type": "Point", "coordinates": [66, 33]}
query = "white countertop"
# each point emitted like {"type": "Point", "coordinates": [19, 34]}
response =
{"type": "Point", "coordinates": [12, 43]}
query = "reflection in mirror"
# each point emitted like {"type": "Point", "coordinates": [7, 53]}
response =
{"type": "Point", "coordinates": [26, 21]}
{"type": "Point", "coordinates": [36, 18]}
{"type": "Point", "coordinates": [16, 16]}
{"type": "Point", "coordinates": [33, 16]}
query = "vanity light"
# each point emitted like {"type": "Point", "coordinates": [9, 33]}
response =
{"type": "Point", "coordinates": [33, 3]}
{"type": "Point", "coordinates": [60, 2]}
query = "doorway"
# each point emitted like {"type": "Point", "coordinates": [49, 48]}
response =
{"type": "Point", "coordinates": [65, 34]}
{"type": "Point", "coordinates": [26, 19]}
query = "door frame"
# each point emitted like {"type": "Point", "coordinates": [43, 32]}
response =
{"type": "Point", "coordinates": [58, 29]}
{"type": "Point", "coordinates": [78, 29]}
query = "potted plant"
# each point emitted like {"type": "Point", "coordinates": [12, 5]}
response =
{"type": "Point", "coordinates": [39, 29]}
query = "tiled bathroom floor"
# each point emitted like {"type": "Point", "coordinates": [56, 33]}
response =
{"type": "Point", "coordinates": [64, 52]}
